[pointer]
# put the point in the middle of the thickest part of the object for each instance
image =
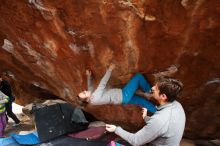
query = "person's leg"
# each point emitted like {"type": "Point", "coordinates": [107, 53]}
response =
{"type": "Point", "coordinates": [130, 88]}
{"type": "Point", "coordinates": [138, 100]}
{"type": "Point", "coordinates": [7, 118]}
{"type": "Point", "coordinates": [10, 112]}
{"type": "Point", "coordinates": [2, 124]}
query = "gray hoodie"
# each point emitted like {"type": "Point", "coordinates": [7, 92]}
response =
{"type": "Point", "coordinates": [102, 95]}
{"type": "Point", "coordinates": [164, 128]}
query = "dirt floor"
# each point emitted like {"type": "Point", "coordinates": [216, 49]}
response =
{"type": "Point", "coordinates": [25, 126]}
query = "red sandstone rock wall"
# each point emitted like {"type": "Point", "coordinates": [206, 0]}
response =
{"type": "Point", "coordinates": [46, 46]}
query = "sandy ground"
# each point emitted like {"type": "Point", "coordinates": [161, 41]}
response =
{"type": "Point", "coordinates": [26, 126]}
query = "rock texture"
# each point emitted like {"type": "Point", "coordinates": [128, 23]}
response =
{"type": "Point", "coordinates": [46, 46]}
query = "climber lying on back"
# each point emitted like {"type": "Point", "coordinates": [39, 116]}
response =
{"type": "Point", "coordinates": [126, 95]}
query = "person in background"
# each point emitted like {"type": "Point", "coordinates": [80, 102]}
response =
{"type": "Point", "coordinates": [3, 99]}
{"type": "Point", "coordinates": [5, 87]}
{"type": "Point", "coordinates": [166, 126]}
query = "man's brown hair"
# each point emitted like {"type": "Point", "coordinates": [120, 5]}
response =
{"type": "Point", "coordinates": [170, 87]}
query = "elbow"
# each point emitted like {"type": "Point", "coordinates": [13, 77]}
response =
{"type": "Point", "coordinates": [137, 143]}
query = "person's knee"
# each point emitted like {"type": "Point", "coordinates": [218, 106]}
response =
{"type": "Point", "coordinates": [138, 75]}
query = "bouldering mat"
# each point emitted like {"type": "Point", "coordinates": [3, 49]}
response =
{"type": "Point", "coordinates": [56, 120]}
{"type": "Point", "coordinates": [9, 141]}
{"type": "Point", "coordinates": [90, 133]}
{"type": "Point", "coordinates": [28, 139]}
{"type": "Point", "coordinates": [69, 141]}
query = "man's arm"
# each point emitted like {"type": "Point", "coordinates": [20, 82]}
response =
{"type": "Point", "coordinates": [148, 133]}
{"type": "Point", "coordinates": [105, 79]}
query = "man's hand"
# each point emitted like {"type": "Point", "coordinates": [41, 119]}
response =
{"type": "Point", "coordinates": [88, 72]}
{"type": "Point", "coordinates": [144, 112]}
{"type": "Point", "coordinates": [111, 66]}
{"type": "Point", "coordinates": [110, 128]}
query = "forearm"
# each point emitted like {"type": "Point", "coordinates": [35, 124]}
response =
{"type": "Point", "coordinates": [97, 94]}
{"type": "Point", "coordinates": [134, 139]}
{"type": "Point", "coordinates": [129, 137]}
{"type": "Point", "coordinates": [105, 79]}
{"type": "Point", "coordinates": [147, 134]}
{"type": "Point", "coordinates": [89, 83]}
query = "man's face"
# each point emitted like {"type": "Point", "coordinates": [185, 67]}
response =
{"type": "Point", "coordinates": [157, 97]}
{"type": "Point", "coordinates": [155, 92]}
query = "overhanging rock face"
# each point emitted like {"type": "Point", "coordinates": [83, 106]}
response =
{"type": "Point", "coordinates": [47, 45]}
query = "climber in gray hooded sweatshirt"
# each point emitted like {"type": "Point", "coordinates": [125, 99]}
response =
{"type": "Point", "coordinates": [166, 126]}
{"type": "Point", "coordinates": [102, 95]}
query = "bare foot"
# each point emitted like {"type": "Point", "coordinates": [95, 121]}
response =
{"type": "Point", "coordinates": [170, 70]}
{"type": "Point", "coordinates": [139, 92]}
{"type": "Point", "coordinates": [143, 94]}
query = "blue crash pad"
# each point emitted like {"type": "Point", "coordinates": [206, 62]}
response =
{"type": "Point", "coordinates": [28, 139]}
{"type": "Point", "coordinates": [9, 141]}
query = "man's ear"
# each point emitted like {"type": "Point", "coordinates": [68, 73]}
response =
{"type": "Point", "coordinates": [164, 97]}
